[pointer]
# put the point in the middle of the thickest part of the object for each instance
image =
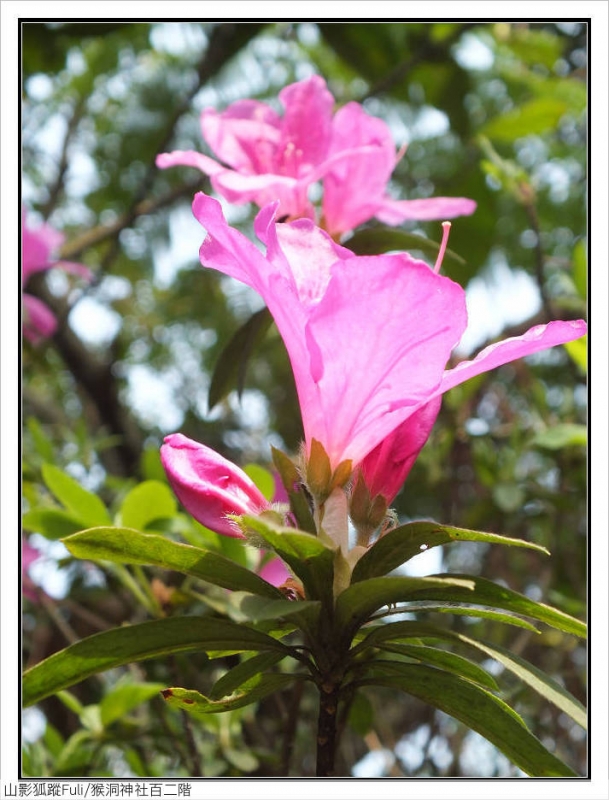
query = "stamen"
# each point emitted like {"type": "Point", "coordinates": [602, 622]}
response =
{"type": "Point", "coordinates": [445, 232]}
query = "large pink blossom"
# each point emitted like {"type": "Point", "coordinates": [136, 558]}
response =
{"type": "Point", "coordinates": [208, 485]}
{"type": "Point", "coordinates": [368, 337]}
{"type": "Point", "coordinates": [38, 246]}
{"type": "Point", "coordinates": [263, 156]}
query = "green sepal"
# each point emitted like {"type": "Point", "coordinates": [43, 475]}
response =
{"type": "Point", "coordinates": [292, 482]}
{"type": "Point", "coordinates": [319, 472]}
{"type": "Point", "coordinates": [127, 546]}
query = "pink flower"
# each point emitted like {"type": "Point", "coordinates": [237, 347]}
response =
{"type": "Point", "coordinates": [368, 336]}
{"type": "Point", "coordinates": [209, 486]}
{"type": "Point", "coordinates": [271, 157]}
{"type": "Point", "coordinates": [29, 555]}
{"type": "Point", "coordinates": [38, 245]}
{"type": "Point", "coordinates": [386, 467]}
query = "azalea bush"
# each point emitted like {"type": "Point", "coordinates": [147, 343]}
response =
{"type": "Point", "coordinates": [236, 484]}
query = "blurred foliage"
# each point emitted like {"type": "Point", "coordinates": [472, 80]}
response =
{"type": "Point", "coordinates": [491, 111]}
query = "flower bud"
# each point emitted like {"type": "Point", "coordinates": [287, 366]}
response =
{"type": "Point", "coordinates": [209, 486]}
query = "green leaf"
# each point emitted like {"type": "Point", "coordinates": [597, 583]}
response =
{"type": "Point", "coordinates": [84, 505]}
{"type": "Point", "coordinates": [578, 352]}
{"type": "Point", "coordinates": [401, 544]}
{"type": "Point", "coordinates": [127, 546]}
{"type": "Point", "coordinates": [533, 677]}
{"type": "Point", "coordinates": [120, 646]}
{"type": "Point", "coordinates": [42, 443]}
{"type": "Point", "coordinates": [310, 559]}
{"type": "Point", "coordinates": [356, 604]}
{"type": "Point", "coordinates": [469, 611]}
{"type": "Point", "coordinates": [560, 436]}
{"type": "Point", "coordinates": [238, 675]}
{"type": "Point", "coordinates": [51, 522]}
{"type": "Point", "coordinates": [147, 502]}
{"type": "Point", "coordinates": [262, 609]}
{"type": "Point", "coordinates": [380, 239]}
{"type": "Point", "coordinates": [197, 705]}
{"type": "Point", "coordinates": [231, 366]}
{"type": "Point", "coordinates": [451, 662]}
{"type": "Point", "coordinates": [262, 478]}
{"type": "Point", "coordinates": [120, 700]}
{"type": "Point", "coordinates": [487, 593]}
{"type": "Point", "coordinates": [482, 712]}
{"type": "Point", "coordinates": [536, 116]}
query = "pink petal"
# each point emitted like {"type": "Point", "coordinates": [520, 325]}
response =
{"type": "Point", "coordinates": [364, 157]}
{"type": "Point", "coordinates": [392, 212]}
{"type": "Point", "coordinates": [535, 339]}
{"type": "Point", "coordinates": [378, 342]}
{"type": "Point", "coordinates": [37, 244]}
{"type": "Point", "coordinates": [386, 467]}
{"type": "Point", "coordinates": [266, 188]}
{"type": "Point", "coordinates": [306, 126]}
{"type": "Point", "coordinates": [245, 136]}
{"type": "Point", "coordinates": [189, 158]}
{"type": "Point", "coordinates": [209, 486]}
{"type": "Point", "coordinates": [39, 321]}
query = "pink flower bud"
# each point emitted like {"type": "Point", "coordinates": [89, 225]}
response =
{"type": "Point", "coordinates": [209, 486]}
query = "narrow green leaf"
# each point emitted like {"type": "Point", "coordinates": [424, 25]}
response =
{"type": "Point", "coordinates": [381, 239]}
{"type": "Point", "coordinates": [469, 611]}
{"type": "Point", "coordinates": [197, 705]}
{"type": "Point", "coordinates": [401, 544]}
{"type": "Point", "coordinates": [122, 699]}
{"type": "Point", "coordinates": [355, 605]}
{"type": "Point", "coordinates": [319, 471]}
{"type": "Point", "coordinates": [127, 546]}
{"type": "Point", "coordinates": [482, 712]}
{"type": "Point", "coordinates": [84, 505]}
{"type": "Point", "coordinates": [238, 675]}
{"type": "Point", "coordinates": [120, 646]}
{"type": "Point", "coordinates": [292, 482]}
{"type": "Point", "coordinates": [487, 593]}
{"type": "Point", "coordinates": [231, 366]}
{"type": "Point", "coordinates": [451, 662]}
{"type": "Point", "coordinates": [533, 677]}
{"type": "Point", "coordinates": [147, 502]}
{"type": "Point", "coordinates": [309, 558]}
{"type": "Point", "coordinates": [53, 523]}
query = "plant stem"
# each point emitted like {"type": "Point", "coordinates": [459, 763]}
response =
{"type": "Point", "coordinates": [326, 728]}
